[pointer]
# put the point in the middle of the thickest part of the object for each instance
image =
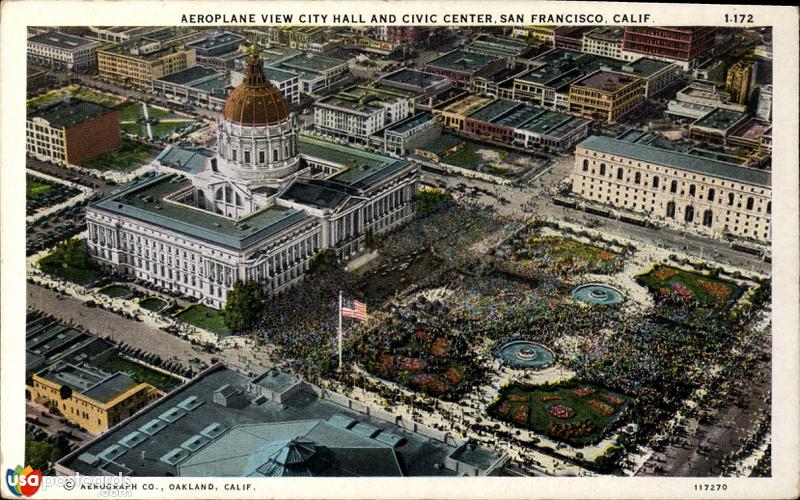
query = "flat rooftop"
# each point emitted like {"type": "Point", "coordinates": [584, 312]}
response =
{"type": "Point", "coordinates": [144, 200]}
{"type": "Point", "coordinates": [606, 34]}
{"type": "Point", "coordinates": [605, 81]}
{"type": "Point", "coordinates": [751, 129]}
{"type": "Point", "coordinates": [684, 161]}
{"type": "Point", "coordinates": [188, 434]}
{"type": "Point", "coordinates": [191, 75]}
{"type": "Point", "coordinates": [61, 40]}
{"type": "Point", "coordinates": [463, 61]}
{"type": "Point", "coordinates": [413, 78]}
{"type": "Point", "coordinates": [68, 112]}
{"type": "Point", "coordinates": [278, 75]}
{"type": "Point", "coordinates": [720, 119]}
{"type": "Point", "coordinates": [189, 160]}
{"type": "Point", "coordinates": [217, 40]}
{"type": "Point", "coordinates": [364, 168]}
{"type": "Point", "coordinates": [411, 122]}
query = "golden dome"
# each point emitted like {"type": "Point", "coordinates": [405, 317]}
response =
{"type": "Point", "coordinates": [255, 102]}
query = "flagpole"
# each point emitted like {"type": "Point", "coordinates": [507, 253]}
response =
{"type": "Point", "coordinates": [340, 329]}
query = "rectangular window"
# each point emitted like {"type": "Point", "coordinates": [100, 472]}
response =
{"type": "Point", "coordinates": [247, 157]}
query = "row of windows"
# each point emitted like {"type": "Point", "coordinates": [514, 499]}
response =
{"type": "Point", "coordinates": [673, 188]}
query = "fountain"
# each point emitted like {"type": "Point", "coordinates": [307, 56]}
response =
{"type": "Point", "coordinates": [597, 293]}
{"type": "Point", "coordinates": [525, 354]}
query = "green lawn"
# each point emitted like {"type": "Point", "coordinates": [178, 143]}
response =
{"type": "Point", "coordinates": [466, 156]}
{"type": "Point", "coordinates": [165, 128]}
{"type": "Point", "coordinates": [561, 252]}
{"type": "Point", "coordinates": [34, 188]}
{"type": "Point", "coordinates": [589, 410]}
{"type": "Point", "coordinates": [712, 292]}
{"type": "Point", "coordinates": [72, 91]}
{"type": "Point", "coordinates": [130, 156]}
{"type": "Point", "coordinates": [139, 373]}
{"type": "Point", "coordinates": [152, 303]}
{"type": "Point", "coordinates": [116, 291]}
{"type": "Point", "coordinates": [130, 112]}
{"type": "Point", "coordinates": [204, 317]}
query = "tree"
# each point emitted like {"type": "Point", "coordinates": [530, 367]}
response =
{"type": "Point", "coordinates": [322, 261]}
{"type": "Point", "coordinates": [371, 239]}
{"type": "Point", "coordinates": [65, 392]}
{"type": "Point", "coordinates": [245, 302]}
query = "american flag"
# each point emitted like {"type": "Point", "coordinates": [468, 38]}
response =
{"type": "Point", "coordinates": [357, 311]}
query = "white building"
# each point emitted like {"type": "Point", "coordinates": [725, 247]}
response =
{"type": "Point", "coordinates": [62, 51]}
{"type": "Point", "coordinates": [357, 113]}
{"type": "Point", "coordinates": [258, 209]}
{"type": "Point", "coordinates": [685, 191]}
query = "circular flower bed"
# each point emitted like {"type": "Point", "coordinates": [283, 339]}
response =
{"type": "Point", "coordinates": [561, 411]}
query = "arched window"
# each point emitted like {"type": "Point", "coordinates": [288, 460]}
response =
{"type": "Point", "coordinates": [655, 181]}
{"type": "Point", "coordinates": [711, 194]}
{"type": "Point", "coordinates": [585, 165]}
{"type": "Point", "coordinates": [602, 169]}
{"type": "Point", "coordinates": [750, 203]}
{"type": "Point", "coordinates": [688, 214]}
{"type": "Point", "coordinates": [692, 190]}
{"type": "Point", "coordinates": [708, 217]}
{"type": "Point", "coordinates": [228, 194]}
{"type": "Point", "coordinates": [637, 178]}
{"type": "Point", "coordinates": [219, 194]}
{"type": "Point", "coordinates": [730, 198]}
{"type": "Point", "coordinates": [619, 173]}
{"type": "Point", "coordinates": [671, 209]}
{"type": "Point", "coordinates": [673, 187]}
{"type": "Point", "coordinates": [238, 200]}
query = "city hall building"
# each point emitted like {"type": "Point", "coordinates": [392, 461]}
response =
{"type": "Point", "coordinates": [257, 209]}
{"type": "Point", "coordinates": [683, 190]}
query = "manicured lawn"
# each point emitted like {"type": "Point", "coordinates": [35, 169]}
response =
{"type": "Point", "coordinates": [34, 188]}
{"type": "Point", "coordinates": [133, 128]}
{"type": "Point", "coordinates": [139, 372]}
{"type": "Point", "coordinates": [561, 252]}
{"type": "Point", "coordinates": [575, 413]}
{"type": "Point", "coordinates": [166, 128]}
{"type": "Point", "coordinates": [130, 112]}
{"type": "Point", "coordinates": [77, 92]}
{"type": "Point", "coordinates": [152, 303]}
{"type": "Point", "coordinates": [81, 276]}
{"type": "Point", "coordinates": [130, 156]}
{"type": "Point", "coordinates": [665, 281]}
{"type": "Point", "coordinates": [466, 156]}
{"type": "Point", "coordinates": [204, 317]}
{"type": "Point", "coordinates": [116, 291]}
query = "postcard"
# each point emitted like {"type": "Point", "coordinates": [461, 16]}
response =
{"type": "Point", "coordinates": [399, 250]}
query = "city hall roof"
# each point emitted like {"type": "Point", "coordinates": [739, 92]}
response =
{"type": "Point", "coordinates": [190, 433]}
{"type": "Point", "coordinates": [684, 161]}
{"type": "Point", "coordinates": [363, 168]}
{"type": "Point", "coordinates": [144, 200]}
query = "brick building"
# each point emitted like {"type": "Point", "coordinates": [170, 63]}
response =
{"type": "Point", "coordinates": [69, 131]}
{"type": "Point", "coordinates": [679, 45]}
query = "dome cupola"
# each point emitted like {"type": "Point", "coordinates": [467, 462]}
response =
{"type": "Point", "coordinates": [255, 102]}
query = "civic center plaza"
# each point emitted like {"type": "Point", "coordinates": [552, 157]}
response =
{"type": "Point", "coordinates": [258, 209]}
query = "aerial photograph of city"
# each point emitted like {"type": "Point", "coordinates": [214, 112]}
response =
{"type": "Point", "coordinates": [398, 251]}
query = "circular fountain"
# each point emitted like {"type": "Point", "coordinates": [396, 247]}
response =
{"type": "Point", "coordinates": [525, 354]}
{"type": "Point", "coordinates": [597, 293]}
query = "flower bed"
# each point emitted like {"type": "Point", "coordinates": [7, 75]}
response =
{"type": "Point", "coordinates": [686, 287]}
{"type": "Point", "coordinates": [561, 411]}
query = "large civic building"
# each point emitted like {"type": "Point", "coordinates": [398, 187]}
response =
{"type": "Point", "coordinates": [257, 209]}
{"type": "Point", "coordinates": [680, 189]}
{"type": "Point", "coordinates": [224, 424]}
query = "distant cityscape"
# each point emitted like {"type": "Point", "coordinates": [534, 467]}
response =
{"type": "Point", "coordinates": [399, 251]}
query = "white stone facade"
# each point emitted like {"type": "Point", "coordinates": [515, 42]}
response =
{"type": "Point", "coordinates": [696, 202]}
